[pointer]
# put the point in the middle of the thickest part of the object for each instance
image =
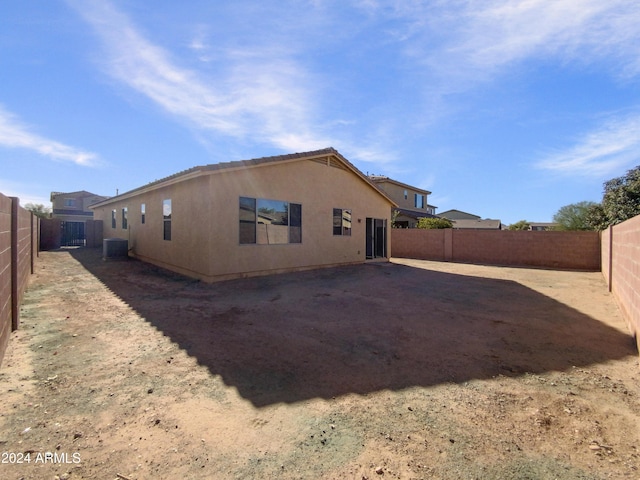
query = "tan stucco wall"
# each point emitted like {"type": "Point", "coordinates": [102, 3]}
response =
{"type": "Point", "coordinates": [205, 225]}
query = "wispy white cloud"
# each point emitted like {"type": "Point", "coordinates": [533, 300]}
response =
{"type": "Point", "coordinates": [503, 32]}
{"type": "Point", "coordinates": [262, 95]}
{"type": "Point", "coordinates": [604, 151]}
{"type": "Point", "coordinates": [464, 42]}
{"type": "Point", "coordinates": [14, 134]}
{"type": "Point", "coordinates": [264, 92]}
{"type": "Point", "coordinates": [200, 45]}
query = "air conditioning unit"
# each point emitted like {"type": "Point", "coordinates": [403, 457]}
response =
{"type": "Point", "coordinates": [114, 248]}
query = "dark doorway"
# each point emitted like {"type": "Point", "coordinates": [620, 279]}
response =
{"type": "Point", "coordinates": [376, 238]}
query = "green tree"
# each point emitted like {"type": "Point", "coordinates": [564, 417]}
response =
{"type": "Point", "coordinates": [621, 199]}
{"type": "Point", "coordinates": [38, 209]}
{"type": "Point", "coordinates": [575, 216]}
{"type": "Point", "coordinates": [434, 223]}
{"type": "Point", "coordinates": [597, 218]}
{"type": "Point", "coordinates": [521, 225]}
{"type": "Point", "coordinates": [394, 218]}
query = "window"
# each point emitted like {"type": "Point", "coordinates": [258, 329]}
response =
{"type": "Point", "coordinates": [113, 219]}
{"type": "Point", "coordinates": [295, 223]}
{"type": "Point", "coordinates": [269, 222]}
{"type": "Point", "coordinates": [247, 220]}
{"type": "Point", "coordinates": [124, 218]}
{"type": "Point", "coordinates": [341, 222]}
{"type": "Point", "coordinates": [69, 202]}
{"type": "Point", "coordinates": [143, 209]}
{"type": "Point", "coordinates": [166, 215]}
{"type": "Point", "coordinates": [419, 201]}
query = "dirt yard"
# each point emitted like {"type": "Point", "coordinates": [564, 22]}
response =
{"type": "Point", "coordinates": [405, 370]}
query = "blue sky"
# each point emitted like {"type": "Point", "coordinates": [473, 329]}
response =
{"type": "Point", "coordinates": [504, 109]}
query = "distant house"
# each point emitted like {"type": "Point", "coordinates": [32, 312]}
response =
{"type": "Point", "coordinates": [481, 224]}
{"type": "Point", "coordinates": [411, 201]}
{"type": "Point", "coordinates": [458, 215]}
{"type": "Point", "coordinates": [541, 226]}
{"type": "Point", "coordinates": [70, 212]}
{"type": "Point", "coordinates": [74, 206]}
{"type": "Point", "coordinates": [254, 217]}
{"type": "Point", "coordinates": [464, 220]}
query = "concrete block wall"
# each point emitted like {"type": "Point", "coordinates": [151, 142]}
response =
{"type": "Point", "coordinates": [415, 243]}
{"type": "Point", "coordinates": [622, 271]}
{"type": "Point", "coordinates": [559, 250]}
{"type": "Point", "coordinates": [5, 273]}
{"type": "Point", "coordinates": [605, 255]}
{"type": "Point", "coordinates": [22, 254]}
{"type": "Point", "coordinates": [18, 247]}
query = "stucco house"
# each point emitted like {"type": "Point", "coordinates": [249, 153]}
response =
{"type": "Point", "coordinates": [542, 226]}
{"type": "Point", "coordinates": [468, 221]}
{"type": "Point", "coordinates": [70, 212]}
{"type": "Point", "coordinates": [73, 206]}
{"type": "Point", "coordinates": [481, 224]}
{"type": "Point", "coordinates": [411, 201]}
{"type": "Point", "coordinates": [254, 217]}
{"type": "Point", "coordinates": [458, 215]}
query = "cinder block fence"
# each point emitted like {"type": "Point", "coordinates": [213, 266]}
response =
{"type": "Point", "coordinates": [621, 269]}
{"type": "Point", "coordinates": [615, 252]}
{"type": "Point", "coordinates": [559, 250]}
{"type": "Point", "coordinates": [18, 249]}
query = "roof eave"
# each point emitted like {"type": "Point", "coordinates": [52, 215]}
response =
{"type": "Point", "coordinates": [243, 165]}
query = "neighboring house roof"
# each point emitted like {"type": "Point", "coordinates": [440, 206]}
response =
{"type": "Point", "coordinates": [414, 214]}
{"type": "Point", "coordinates": [78, 194]}
{"type": "Point", "coordinates": [383, 179]}
{"type": "Point", "coordinates": [327, 155]}
{"type": "Point", "coordinates": [486, 224]}
{"type": "Point", "coordinates": [458, 215]}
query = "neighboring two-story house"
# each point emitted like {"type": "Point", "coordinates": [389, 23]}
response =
{"type": "Point", "coordinates": [74, 206]}
{"type": "Point", "coordinates": [69, 215]}
{"type": "Point", "coordinates": [412, 201]}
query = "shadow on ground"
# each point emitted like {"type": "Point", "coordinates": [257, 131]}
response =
{"type": "Point", "coordinates": [358, 329]}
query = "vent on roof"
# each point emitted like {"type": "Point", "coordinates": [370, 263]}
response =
{"type": "Point", "coordinates": [330, 162]}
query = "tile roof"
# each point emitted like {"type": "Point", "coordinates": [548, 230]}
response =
{"type": "Point", "coordinates": [78, 194]}
{"type": "Point", "coordinates": [414, 213]}
{"type": "Point", "coordinates": [240, 164]}
{"type": "Point", "coordinates": [383, 178]}
{"type": "Point", "coordinates": [487, 224]}
{"type": "Point", "coordinates": [452, 214]}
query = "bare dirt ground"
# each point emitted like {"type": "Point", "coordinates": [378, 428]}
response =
{"type": "Point", "coordinates": [407, 370]}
